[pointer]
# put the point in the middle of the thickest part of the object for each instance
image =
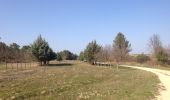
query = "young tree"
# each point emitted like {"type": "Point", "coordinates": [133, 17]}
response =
{"type": "Point", "coordinates": [168, 51]}
{"type": "Point", "coordinates": [121, 47]}
{"type": "Point", "coordinates": [162, 57]}
{"type": "Point", "coordinates": [105, 54]}
{"type": "Point", "coordinates": [155, 45]}
{"type": "Point", "coordinates": [42, 51]}
{"type": "Point", "coordinates": [59, 57]}
{"type": "Point", "coordinates": [26, 48]}
{"type": "Point", "coordinates": [159, 53]}
{"type": "Point", "coordinates": [27, 53]}
{"type": "Point", "coordinates": [91, 51]}
{"type": "Point", "coordinates": [14, 46]}
{"type": "Point", "coordinates": [15, 50]}
{"type": "Point", "coordinates": [3, 50]}
{"type": "Point", "coordinates": [81, 56]}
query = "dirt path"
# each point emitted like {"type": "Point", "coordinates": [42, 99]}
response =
{"type": "Point", "coordinates": [164, 77]}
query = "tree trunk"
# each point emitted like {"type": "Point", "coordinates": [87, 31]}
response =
{"type": "Point", "coordinates": [25, 65]}
{"type": "Point", "coordinates": [12, 65]}
{"type": "Point", "coordinates": [21, 66]}
{"type": "Point", "coordinates": [17, 65]}
{"type": "Point", "coordinates": [6, 65]}
{"type": "Point", "coordinates": [45, 62]}
{"type": "Point", "coordinates": [117, 65]}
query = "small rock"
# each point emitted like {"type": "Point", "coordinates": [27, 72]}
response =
{"type": "Point", "coordinates": [12, 85]}
{"type": "Point", "coordinates": [43, 92]}
{"type": "Point", "coordinates": [13, 97]}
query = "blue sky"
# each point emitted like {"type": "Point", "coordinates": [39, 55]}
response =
{"type": "Point", "coordinates": [72, 24]}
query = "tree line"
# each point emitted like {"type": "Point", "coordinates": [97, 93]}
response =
{"type": "Point", "coordinates": [39, 51]}
{"type": "Point", "coordinates": [66, 55]}
{"type": "Point", "coordinates": [14, 54]}
{"type": "Point", "coordinates": [120, 49]}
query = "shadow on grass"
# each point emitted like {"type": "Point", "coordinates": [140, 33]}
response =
{"type": "Point", "coordinates": [121, 67]}
{"type": "Point", "coordinates": [60, 65]}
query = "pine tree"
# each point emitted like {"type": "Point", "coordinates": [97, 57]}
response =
{"type": "Point", "coordinates": [91, 51]}
{"type": "Point", "coordinates": [41, 50]}
{"type": "Point", "coordinates": [121, 47]}
{"type": "Point", "coordinates": [81, 56]}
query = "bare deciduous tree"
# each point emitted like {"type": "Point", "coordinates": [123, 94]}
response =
{"type": "Point", "coordinates": [2, 51]}
{"type": "Point", "coordinates": [155, 45]}
{"type": "Point", "coordinates": [105, 54]}
{"type": "Point", "coordinates": [168, 50]}
{"type": "Point", "coordinates": [168, 53]}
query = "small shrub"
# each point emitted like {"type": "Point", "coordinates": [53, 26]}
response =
{"type": "Point", "coordinates": [59, 57]}
{"type": "Point", "coordinates": [81, 56]}
{"type": "Point", "coordinates": [162, 57]}
{"type": "Point", "coordinates": [142, 58]}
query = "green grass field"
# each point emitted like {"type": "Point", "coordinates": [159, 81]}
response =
{"type": "Point", "coordinates": [74, 80]}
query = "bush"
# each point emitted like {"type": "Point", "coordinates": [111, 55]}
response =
{"type": "Point", "coordinates": [142, 58]}
{"type": "Point", "coordinates": [81, 56]}
{"type": "Point", "coordinates": [59, 57]}
{"type": "Point", "coordinates": [162, 57]}
{"type": "Point", "coordinates": [67, 55]}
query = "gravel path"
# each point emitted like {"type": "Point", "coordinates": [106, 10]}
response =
{"type": "Point", "coordinates": [164, 77]}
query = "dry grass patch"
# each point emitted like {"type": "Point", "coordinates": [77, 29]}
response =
{"type": "Point", "coordinates": [79, 81]}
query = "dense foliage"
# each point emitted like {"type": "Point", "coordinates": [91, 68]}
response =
{"type": "Point", "coordinates": [42, 51]}
{"type": "Point", "coordinates": [142, 58]}
{"type": "Point", "coordinates": [59, 57]}
{"type": "Point", "coordinates": [66, 55]}
{"type": "Point", "coordinates": [91, 51]}
{"type": "Point", "coordinates": [162, 57]}
{"type": "Point", "coordinates": [81, 56]}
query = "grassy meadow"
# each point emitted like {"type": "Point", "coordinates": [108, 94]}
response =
{"type": "Point", "coordinates": [74, 80]}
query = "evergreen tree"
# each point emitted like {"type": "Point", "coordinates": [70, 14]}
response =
{"type": "Point", "coordinates": [81, 56]}
{"type": "Point", "coordinates": [91, 51]}
{"type": "Point", "coordinates": [67, 55]}
{"type": "Point", "coordinates": [121, 47]}
{"type": "Point", "coordinates": [51, 55]}
{"type": "Point", "coordinates": [42, 51]}
{"type": "Point", "coordinates": [59, 57]}
{"type": "Point", "coordinates": [162, 57]}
